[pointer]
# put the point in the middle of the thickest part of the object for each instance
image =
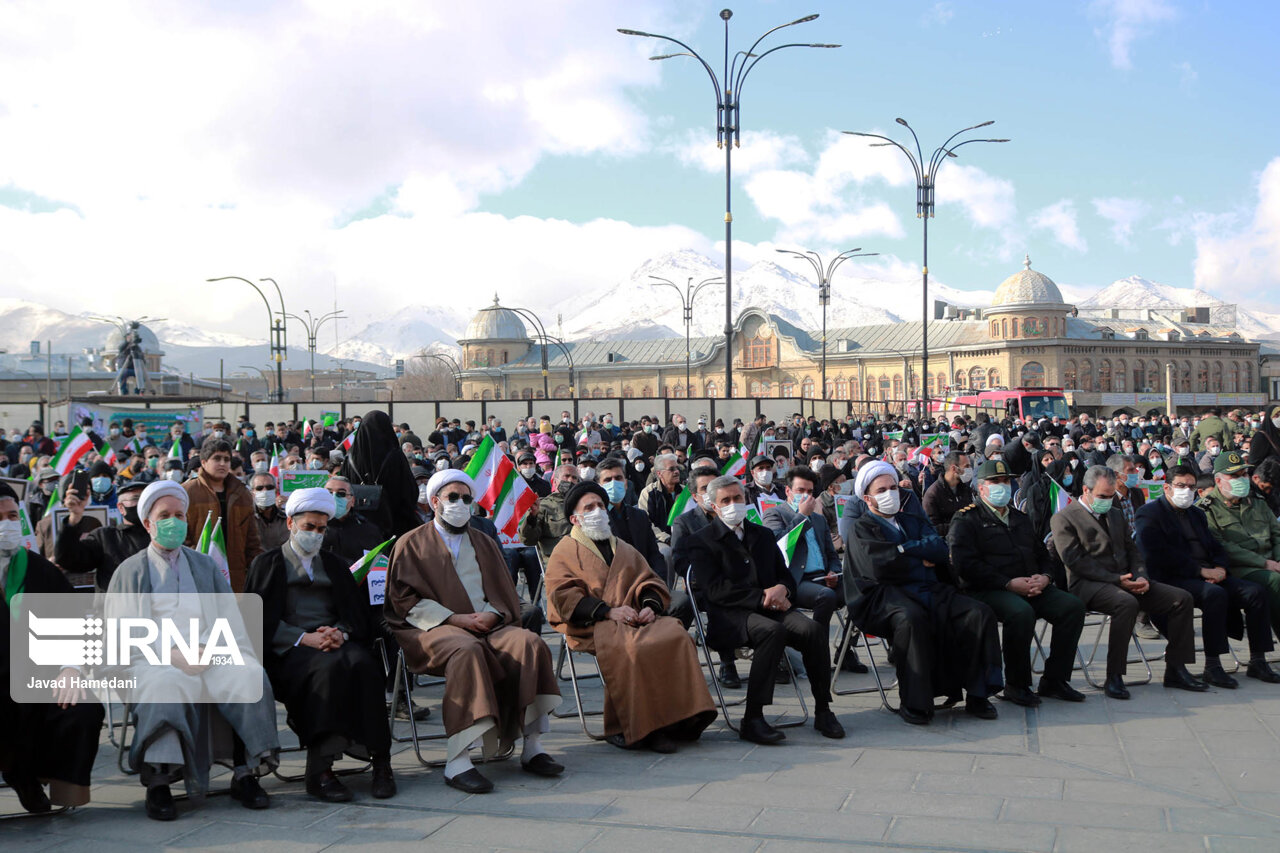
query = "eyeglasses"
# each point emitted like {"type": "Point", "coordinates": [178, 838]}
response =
{"type": "Point", "coordinates": [270, 488]}
{"type": "Point", "coordinates": [455, 497]}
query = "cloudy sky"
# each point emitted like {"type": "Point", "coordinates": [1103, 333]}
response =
{"type": "Point", "coordinates": [386, 153]}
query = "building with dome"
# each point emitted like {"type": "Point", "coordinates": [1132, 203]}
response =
{"type": "Point", "coordinates": [1106, 360]}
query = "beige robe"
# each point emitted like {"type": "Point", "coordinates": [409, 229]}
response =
{"type": "Point", "coordinates": [497, 685]}
{"type": "Point", "coordinates": [651, 675]}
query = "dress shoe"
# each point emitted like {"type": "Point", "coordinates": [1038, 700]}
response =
{"type": "Point", "coordinates": [852, 664]}
{"type": "Point", "coordinates": [914, 717]}
{"type": "Point", "coordinates": [826, 724]}
{"type": "Point", "coordinates": [980, 707]}
{"type": "Point", "coordinates": [383, 784]}
{"type": "Point", "coordinates": [1176, 675]}
{"type": "Point", "coordinates": [160, 803]}
{"type": "Point", "coordinates": [1059, 690]}
{"type": "Point", "coordinates": [1262, 671]}
{"type": "Point", "coordinates": [758, 731]}
{"type": "Point", "coordinates": [470, 782]}
{"type": "Point", "coordinates": [1217, 676]}
{"type": "Point", "coordinates": [729, 676]}
{"type": "Point", "coordinates": [249, 793]}
{"type": "Point", "coordinates": [1115, 687]}
{"type": "Point", "coordinates": [420, 712]}
{"type": "Point", "coordinates": [542, 765]}
{"type": "Point", "coordinates": [30, 793]}
{"type": "Point", "coordinates": [1020, 696]}
{"type": "Point", "coordinates": [661, 743]}
{"type": "Point", "coordinates": [327, 787]}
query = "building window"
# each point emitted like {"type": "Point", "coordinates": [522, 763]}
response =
{"type": "Point", "coordinates": [828, 390]}
{"type": "Point", "coordinates": [628, 392]}
{"type": "Point", "coordinates": [886, 388]}
{"type": "Point", "coordinates": [942, 383]}
{"type": "Point", "coordinates": [930, 385]}
{"type": "Point", "coordinates": [677, 390]}
{"type": "Point", "coordinates": [647, 392]}
{"type": "Point", "coordinates": [842, 389]}
{"type": "Point", "coordinates": [806, 388]}
{"type": "Point", "coordinates": [486, 395]}
{"type": "Point", "coordinates": [1104, 375]}
{"type": "Point", "coordinates": [1215, 380]}
{"type": "Point", "coordinates": [977, 379]}
{"type": "Point", "coordinates": [993, 378]}
{"type": "Point", "coordinates": [962, 379]}
{"type": "Point", "coordinates": [1154, 380]}
{"type": "Point", "coordinates": [527, 393]}
{"type": "Point", "coordinates": [1119, 377]}
{"type": "Point", "coordinates": [897, 386]}
{"type": "Point", "coordinates": [1202, 377]}
{"type": "Point", "coordinates": [504, 356]}
{"type": "Point", "coordinates": [1069, 375]}
{"type": "Point", "coordinates": [1233, 378]}
{"type": "Point", "coordinates": [788, 389]}
{"type": "Point", "coordinates": [1032, 375]}
{"type": "Point", "coordinates": [1248, 379]}
{"type": "Point", "coordinates": [712, 390]}
{"type": "Point", "coordinates": [1185, 382]}
{"type": "Point", "coordinates": [757, 352]}
{"type": "Point", "coordinates": [1086, 375]}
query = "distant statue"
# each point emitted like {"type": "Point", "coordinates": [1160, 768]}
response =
{"type": "Point", "coordinates": [131, 361]}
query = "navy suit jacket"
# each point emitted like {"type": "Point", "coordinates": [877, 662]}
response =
{"type": "Point", "coordinates": [1163, 545]}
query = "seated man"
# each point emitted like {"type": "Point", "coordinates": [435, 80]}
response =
{"type": "Point", "coordinates": [170, 741]}
{"type": "Point", "coordinates": [944, 643]}
{"type": "Point", "coordinates": [453, 609]}
{"type": "Point", "coordinates": [1173, 535]}
{"type": "Point", "coordinates": [747, 591]}
{"type": "Point", "coordinates": [1105, 570]}
{"type": "Point", "coordinates": [1243, 523]}
{"type": "Point", "coordinates": [627, 522]}
{"type": "Point", "coordinates": [603, 596]}
{"type": "Point", "coordinates": [1000, 561]}
{"type": "Point", "coordinates": [316, 632]}
{"type": "Point", "coordinates": [54, 742]}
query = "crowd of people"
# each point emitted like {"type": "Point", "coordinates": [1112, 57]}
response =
{"type": "Point", "coordinates": [949, 538]}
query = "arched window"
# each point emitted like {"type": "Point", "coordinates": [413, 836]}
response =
{"type": "Point", "coordinates": [942, 383]}
{"type": "Point", "coordinates": [829, 390]}
{"type": "Point", "coordinates": [1086, 375]}
{"type": "Point", "coordinates": [766, 389]}
{"type": "Point", "coordinates": [486, 394]}
{"type": "Point", "coordinates": [993, 378]}
{"type": "Point", "coordinates": [561, 392]}
{"type": "Point", "coordinates": [897, 386]}
{"type": "Point", "coordinates": [806, 388]}
{"type": "Point", "coordinates": [677, 390]}
{"type": "Point", "coordinates": [541, 395]}
{"type": "Point", "coordinates": [712, 389]}
{"type": "Point", "coordinates": [475, 395]}
{"type": "Point", "coordinates": [757, 352]}
{"type": "Point", "coordinates": [842, 389]}
{"type": "Point", "coordinates": [1139, 375]}
{"type": "Point", "coordinates": [1202, 377]}
{"type": "Point", "coordinates": [1119, 379]}
{"type": "Point", "coordinates": [1184, 381]}
{"type": "Point", "coordinates": [1104, 375]}
{"type": "Point", "coordinates": [527, 393]}
{"type": "Point", "coordinates": [930, 385]}
{"type": "Point", "coordinates": [1155, 376]}
{"type": "Point", "coordinates": [608, 392]}
{"type": "Point", "coordinates": [977, 378]}
{"type": "Point", "coordinates": [1233, 378]}
{"type": "Point", "coordinates": [1032, 375]}
{"type": "Point", "coordinates": [787, 389]}
{"type": "Point", "coordinates": [1249, 387]}
{"type": "Point", "coordinates": [886, 388]}
{"type": "Point", "coordinates": [1069, 375]}
{"type": "Point", "coordinates": [962, 379]}
{"type": "Point", "coordinates": [1013, 327]}
{"type": "Point", "coordinates": [1215, 378]}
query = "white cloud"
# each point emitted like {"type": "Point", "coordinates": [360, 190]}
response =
{"type": "Point", "coordinates": [1059, 219]}
{"type": "Point", "coordinates": [1248, 261]}
{"type": "Point", "coordinates": [1125, 21]}
{"type": "Point", "coordinates": [760, 150]}
{"type": "Point", "coordinates": [1123, 213]}
{"type": "Point", "coordinates": [939, 14]}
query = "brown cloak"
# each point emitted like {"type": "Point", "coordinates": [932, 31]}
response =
{"type": "Point", "coordinates": [651, 675]}
{"type": "Point", "coordinates": [505, 676]}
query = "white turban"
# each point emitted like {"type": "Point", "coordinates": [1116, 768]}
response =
{"type": "Point", "coordinates": [311, 500]}
{"type": "Point", "coordinates": [161, 489]}
{"type": "Point", "coordinates": [994, 439]}
{"type": "Point", "coordinates": [868, 472]}
{"type": "Point", "coordinates": [440, 479]}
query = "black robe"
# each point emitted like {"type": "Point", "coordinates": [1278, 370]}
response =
{"type": "Point", "coordinates": [376, 458]}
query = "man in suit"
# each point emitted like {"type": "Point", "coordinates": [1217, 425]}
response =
{"type": "Point", "coordinates": [1106, 571]}
{"type": "Point", "coordinates": [627, 522]}
{"type": "Point", "coordinates": [748, 594]}
{"type": "Point", "coordinates": [1173, 535]}
{"type": "Point", "coordinates": [682, 538]}
{"type": "Point", "coordinates": [814, 565]}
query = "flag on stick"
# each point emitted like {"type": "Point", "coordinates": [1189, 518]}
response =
{"type": "Point", "coordinates": [74, 448]}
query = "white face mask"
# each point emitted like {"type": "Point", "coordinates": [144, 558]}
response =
{"type": "Point", "coordinates": [586, 473]}
{"type": "Point", "coordinates": [733, 514]}
{"type": "Point", "coordinates": [1275, 422]}
{"type": "Point", "coordinates": [763, 478]}
{"type": "Point", "coordinates": [422, 494]}
{"type": "Point", "coordinates": [966, 476]}
{"type": "Point", "coordinates": [307, 542]}
{"type": "Point", "coordinates": [682, 426]}
{"type": "Point", "coordinates": [595, 524]}
{"type": "Point", "coordinates": [265, 499]}
{"type": "Point", "coordinates": [10, 536]}
{"type": "Point", "coordinates": [528, 471]}
{"type": "Point", "coordinates": [455, 513]}
{"type": "Point", "coordinates": [262, 466]}
{"type": "Point", "coordinates": [176, 476]}
{"type": "Point", "coordinates": [888, 502]}
{"type": "Point", "coordinates": [640, 467]}
{"type": "Point", "coordinates": [1214, 450]}
{"type": "Point", "coordinates": [1183, 496]}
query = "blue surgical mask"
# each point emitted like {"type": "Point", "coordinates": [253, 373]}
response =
{"type": "Point", "coordinates": [101, 485]}
{"type": "Point", "coordinates": [1131, 480]}
{"type": "Point", "coordinates": [340, 506]}
{"type": "Point", "coordinates": [998, 494]}
{"type": "Point", "coordinates": [248, 433]}
{"type": "Point", "coordinates": [615, 489]}
{"type": "Point", "coordinates": [1067, 479]}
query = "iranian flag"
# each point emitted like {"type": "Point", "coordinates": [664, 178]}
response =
{"type": "Point", "coordinates": [348, 441]}
{"type": "Point", "coordinates": [306, 429]}
{"type": "Point", "coordinates": [360, 568]}
{"type": "Point", "coordinates": [787, 544]}
{"type": "Point", "coordinates": [274, 468]}
{"type": "Point", "coordinates": [766, 503]}
{"type": "Point", "coordinates": [107, 454]}
{"type": "Point", "coordinates": [214, 543]}
{"type": "Point", "coordinates": [499, 487]}
{"type": "Point", "coordinates": [935, 441]}
{"type": "Point", "coordinates": [1058, 497]}
{"type": "Point", "coordinates": [74, 448]}
{"type": "Point", "coordinates": [895, 435]}
{"type": "Point", "coordinates": [735, 466]}
{"type": "Point", "coordinates": [682, 504]}
{"type": "Point", "coordinates": [136, 444]}
{"type": "Point", "coordinates": [175, 451]}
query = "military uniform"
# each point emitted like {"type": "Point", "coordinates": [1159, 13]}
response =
{"type": "Point", "coordinates": [987, 552]}
{"type": "Point", "coordinates": [547, 527]}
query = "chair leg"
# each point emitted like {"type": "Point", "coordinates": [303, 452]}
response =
{"type": "Point", "coordinates": [1038, 657]}
{"type": "Point", "coordinates": [1143, 659]}
{"type": "Point", "coordinates": [875, 670]}
{"type": "Point", "coordinates": [1086, 665]}
{"type": "Point", "coordinates": [577, 695]}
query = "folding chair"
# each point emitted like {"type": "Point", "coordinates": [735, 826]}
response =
{"type": "Point", "coordinates": [566, 655]}
{"type": "Point", "coordinates": [846, 643]}
{"type": "Point", "coordinates": [781, 722]}
{"type": "Point", "coordinates": [1086, 663]}
{"type": "Point", "coordinates": [19, 815]}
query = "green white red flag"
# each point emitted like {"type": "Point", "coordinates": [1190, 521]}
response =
{"type": "Point", "coordinates": [360, 568]}
{"type": "Point", "coordinates": [74, 448]}
{"type": "Point", "coordinates": [734, 466]}
{"type": "Point", "coordinates": [787, 544]}
{"type": "Point", "coordinates": [213, 542]}
{"type": "Point", "coordinates": [107, 454]}
{"type": "Point", "coordinates": [682, 504]}
{"type": "Point", "coordinates": [499, 487]}
{"type": "Point", "coordinates": [1058, 496]}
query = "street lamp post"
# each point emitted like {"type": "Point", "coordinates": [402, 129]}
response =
{"type": "Point", "coordinates": [312, 325]}
{"type": "Point", "coordinates": [569, 358]}
{"type": "Point", "coordinates": [824, 274]}
{"type": "Point", "coordinates": [687, 296]}
{"type": "Point", "coordinates": [728, 90]}
{"type": "Point", "coordinates": [276, 325]}
{"type": "Point", "coordinates": [542, 333]}
{"type": "Point", "coordinates": [266, 380]}
{"type": "Point", "coordinates": [453, 366]}
{"type": "Point", "coordinates": [926, 172]}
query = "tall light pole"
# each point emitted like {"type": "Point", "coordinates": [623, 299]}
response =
{"type": "Point", "coordinates": [926, 172]}
{"type": "Point", "coordinates": [824, 274]}
{"type": "Point", "coordinates": [728, 90]}
{"type": "Point", "coordinates": [542, 333]}
{"type": "Point", "coordinates": [266, 380]}
{"type": "Point", "coordinates": [312, 325]}
{"type": "Point", "coordinates": [449, 362]}
{"type": "Point", "coordinates": [276, 328]}
{"type": "Point", "coordinates": [687, 296]}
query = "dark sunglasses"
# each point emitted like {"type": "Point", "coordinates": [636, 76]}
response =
{"type": "Point", "coordinates": [455, 497]}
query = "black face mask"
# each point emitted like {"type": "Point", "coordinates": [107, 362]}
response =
{"type": "Point", "coordinates": [563, 488]}
{"type": "Point", "coordinates": [130, 515]}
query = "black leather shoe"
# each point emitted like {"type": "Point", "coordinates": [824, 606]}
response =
{"type": "Point", "coordinates": [543, 765]}
{"type": "Point", "coordinates": [420, 713]}
{"type": "Point", "coordinates": [249, 793]}
{"type": "Point", "coordinates": [826, 724]}
{"type": "Point", "coordinates": [383, 784]}
{"type": "Point", "coordinates": [729, 676]}
{"type": "Point", "coordinates": [1020, 696]}
{"type": "Point", "coordinates": [328, 788]}
{"type": "Point", "coordinates": [1176, 675]}
{"type": "Point", "coordinates": [470, 782]}
{"type": "Point", "coordinates": [1217, 676]}
{"type": "Point", "coordinates": [758, 731]}
{"type": "Point", "coordinates": [1115, 687]}
{"type": "Point", "coordinates": [980, 707]}
{"type": "Point", "coordinates": [661, 743]}
{"type": "Point", "coordinates": [30, 793]}
{"type": "Point", "coordinates": [914, 717]}
{"type": "Point", "coordinates": [1059, 690]}
{"type": "Point", "coordinates": [1262, 671]}
{"type": "Point", "coordinates": [852, 664]}
{"type": "Point", "coordinates": [160, 804]}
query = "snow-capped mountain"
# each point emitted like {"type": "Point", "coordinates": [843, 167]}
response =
{"type": "Point", "coordinates": [406, 332]}
{"type": "Point", "coordinates": [1138, 292]}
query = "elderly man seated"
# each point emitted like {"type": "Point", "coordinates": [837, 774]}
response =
{"type": "Point", "coordinates": [171, 741]}
{"type": "Point", "coordinates": [454, 610]}
{"type": "Point", "coordinates": [604, 598]}
{"type": "Point", "coordinates": [316, 631]}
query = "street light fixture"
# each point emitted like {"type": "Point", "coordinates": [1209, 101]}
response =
{"type": "Point", "coordinates": [926, 172]}
{"type": "Point", "coordinates": [824, 290]}
{"type": "Point", "coordinates": [728, 91]}
{"type": "Point", "coordinates": [266, 380]}
{"type": "Point", "coordinates": [312, 325]}
{"type": "Point", "coordinates": [276, 337]}
{"type": "Point", "coordinates": [687, 296]}
{"type": "Point", "coordinates": [542, 333]}
{"type": "Point", "coordinates": [449, 362]}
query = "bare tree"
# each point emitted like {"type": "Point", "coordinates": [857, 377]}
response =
{"type": "Point", "coordinates": [425, 379]}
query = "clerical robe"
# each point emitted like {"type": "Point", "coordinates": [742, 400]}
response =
{"type": "Point", "coordinates": [496, 684]}
{"type": "Point", "coordinates": [652, 679]}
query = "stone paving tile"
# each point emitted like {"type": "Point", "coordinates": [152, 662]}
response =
{"type": "Point", "coordinates": [513, 833]}
{"type": "Point", "coordinates": [1046, 766]}
{"type": "Point", "coordinates": [932, 832]}
{"type": "Point", "coordinates": [1202, 782]}
{"type": "Point", "coordinates": [623, 840]}
{"type": "Point", "coordinates": [1120, 815]}
{"type": "Point", "coordinates": [1249, 774]}
{"type": "Point", "coordinates": [646, 811]}
{"type": "Point", "coordinates": [1135, 792]}
{"type": "Point", "coordinates": [990, 785]}
{"type": "Point", "coordinates": [937, 805]}
{"type": "Point", "coordinates": [815, 797]}
{"type": "Point", "coordinates": [223, 835]}
{"type": "Point", "coordinates": [1229, 844]}
{"type": "Point", "coordinates": [392, 823]}
{"type": "Point", "coordinates": [790, 823]}
{"type": "Point", "coordinates": [1211, 821]}
{"type": "Point", "coordinates": [910, 759]}
{"type": "Point", "coordinates": [1084, 839]}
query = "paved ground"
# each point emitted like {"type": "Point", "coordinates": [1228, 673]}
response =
{"type": "Point", "coordinates": [1167, 771]}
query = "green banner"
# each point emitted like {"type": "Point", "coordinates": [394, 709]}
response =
{"type": "Point", "coordinates": [292, 480]}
